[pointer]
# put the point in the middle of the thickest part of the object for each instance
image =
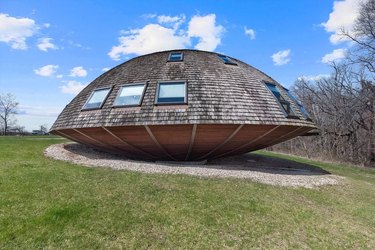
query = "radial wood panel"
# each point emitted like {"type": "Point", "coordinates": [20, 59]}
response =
{"type": "Point", "coordinates": [173, 142]}
{"type": "Point", "coordinates": [101, 135]}
{"type": "Point", "coordinates": [138, 137]}
{"type": "Point", "coordinates": [245, 135]}
{"type": "Point", "coordinates": [174, 139]}
{"type": "Point", "coordinates": [78, 137]}
{"type": "Point", "coordinates": [278, 135]}
{"type": "Point", "coordinates": [292, 134]}
{"type": "Point", "coordinates": [134, 151]}
{"type": "Point", "coordinates": [208, 137]}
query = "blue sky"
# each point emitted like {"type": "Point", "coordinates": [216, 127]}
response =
{"type": "Point", "coordinates": [51, 49]}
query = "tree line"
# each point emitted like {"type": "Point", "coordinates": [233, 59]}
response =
{"type": "Point", "coordinates": [343, 104]}
{"type": "Point", "coordinates": [8, 108]}
{"type": "Point", "coordinates": [8, 123]}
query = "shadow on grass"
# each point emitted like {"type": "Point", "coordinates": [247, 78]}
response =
{"type": "Point", "coordinates": [250, 162]}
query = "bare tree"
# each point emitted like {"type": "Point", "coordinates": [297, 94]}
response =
{"type": "Point", "coordinates": [8, 108]}
{"type": "Point", "coordinates": [363, 53]}
{"type": "Point", "coordinates": [363, 36]}
{"type": "Point", "coordinates": [343, 105]}
{"type": "Point", "coordinates": [19, 129]}
{"type": "Point", "coordinates": [43, 129]}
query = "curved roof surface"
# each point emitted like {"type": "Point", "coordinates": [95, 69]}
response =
{"type": "Point", "coordinates": [217, 93]}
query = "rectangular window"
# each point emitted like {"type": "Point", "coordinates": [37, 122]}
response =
{"type": "Point", "coordinates": [301, 107]}
{"type": "Point", "coordinates": [176, 57]}
{"type": "Point", "coordinates": [130, 95]}
{"type": "Point", "coordinates": [171, 93]}
{"type": "Point", "coordinates": [285, 105]}
{"type": "Point", "coordinates": [227, 60]}
{"type": "Point", "coordinates": [97, 98]}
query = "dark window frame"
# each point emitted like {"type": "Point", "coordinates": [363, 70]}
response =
{"type": "Point", "coordinates": [145, 84]}
{"type": "Point", "coordinates": [185, 102]}
{"type": "Point", "coordinates": [102, 103]}
{"type": "Point", "coordinates": [226, 59]}
{"type": "Point", "coordinates": [281, 102]}
{"type": "Point", "coordinates": [176, 52]}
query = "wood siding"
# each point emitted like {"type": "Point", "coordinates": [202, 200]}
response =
{"type": "Point", "coordinates": [173, 142]}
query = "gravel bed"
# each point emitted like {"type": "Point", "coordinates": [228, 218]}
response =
{"type": "Point", "coordinates": [268, 170]}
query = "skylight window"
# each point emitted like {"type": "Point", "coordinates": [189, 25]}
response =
{"type": "Point", "coordinates": [227, 60]}
{"type": "Point", "coordinates": [171, 93]}
{"type": "Point", "coordinates": [97, 98]}
{"type": "Point", "coordinates": [130, 95]}
{"type": "Point", "coordinates": [301, 107]}
{"type": "Point", "coordinates": [176, 57]}
{"type": "Point", "coordinates": [285, 105]}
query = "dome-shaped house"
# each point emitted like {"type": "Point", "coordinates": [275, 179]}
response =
{"type": "Point", "coordinates": [182, 105]}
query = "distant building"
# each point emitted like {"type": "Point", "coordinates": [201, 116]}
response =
{"type": "Point", "coordinates": [38, 132]}
{"type": "Point", "coordinates": [14, 131]}
{"type": "Point", "coordinates": [183, 105]}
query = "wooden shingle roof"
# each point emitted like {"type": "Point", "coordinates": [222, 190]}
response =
{"type": "Point", "coordinates": [218, 93]}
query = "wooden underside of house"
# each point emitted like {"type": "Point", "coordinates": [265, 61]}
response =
{"type": "Point", "coordinates": [182, 142]}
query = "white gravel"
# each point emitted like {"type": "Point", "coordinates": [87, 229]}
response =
{"type": "Point", "coordinates": [257, 168]}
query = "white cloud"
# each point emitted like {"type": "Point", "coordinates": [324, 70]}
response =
{"type": "Point", "coordinates": [175, 21]}
{"type": "Point", "coordinates": [105, 69]}
{"type": "Point", "coordinates": [59, 76]}
{"type": "Point", "coordinates": [78, 72]}
{"type": "Point", "coordinates": [45, 44]}
{"type": "Point", "coordinates": [47, 70]}
{"type": "Point", "coordinates": [72, 87]}
{"type": "Point", "coordinates": [166, 35]}
{"type": "Point", "coordinates": [151, 38]}
{"type": "Point", "coordinates": [14, 31]}
{"type": "Point", "coordinates": [205, 29]}
{"type": "Point", "coordinates": [147, 16]}
{"type": "Point", "coordinates": [78, 45]}
{"type": "Point", "coordinates": [281, 57]}
{"type": "Point", "coordinates": [249, 32]}
{"type": "Point", "coordinates": [170, 19]}
{"type": "Point", "coordinates": [32, 122]}
{"type": "Point", "coordinates": [335, 55]}
{"type": "Point", "coordinates": [46, 25]}
{"type": "Point", "coordinates": [314, 77]}
{"type": "Point", "coordinates": [39, 110]}
{"type": "Point", "coordinates": [342, 17]}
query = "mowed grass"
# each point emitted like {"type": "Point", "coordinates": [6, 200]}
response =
{"type": "Point", "coordinates": [46, 203]}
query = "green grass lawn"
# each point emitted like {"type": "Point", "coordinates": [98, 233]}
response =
{"type": "Point", "coordinates": [46, 203]}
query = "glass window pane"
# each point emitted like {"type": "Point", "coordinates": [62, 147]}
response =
{"type": "Point", "coordinates": [276, 92]}
{"type": "Point", "coordinates": [175, 56]}
{"type": "Point", "coordinates": [224, 58]}
{"type": "Point", "coordinates": [227, 60]}
{"type": "Point", "coordinates": [301, 107]}
{"type": "Point", "coordinates": [283, 103]}
{"type": "Point", "coordinates": [97, 98]}
{"type": "Point", "coordinates": [130, 95]}
{"type": "Point", "coordinates": [171, 92]}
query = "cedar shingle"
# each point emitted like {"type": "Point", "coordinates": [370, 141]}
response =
{"type": "Point", "coordinates": [217, 93]}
